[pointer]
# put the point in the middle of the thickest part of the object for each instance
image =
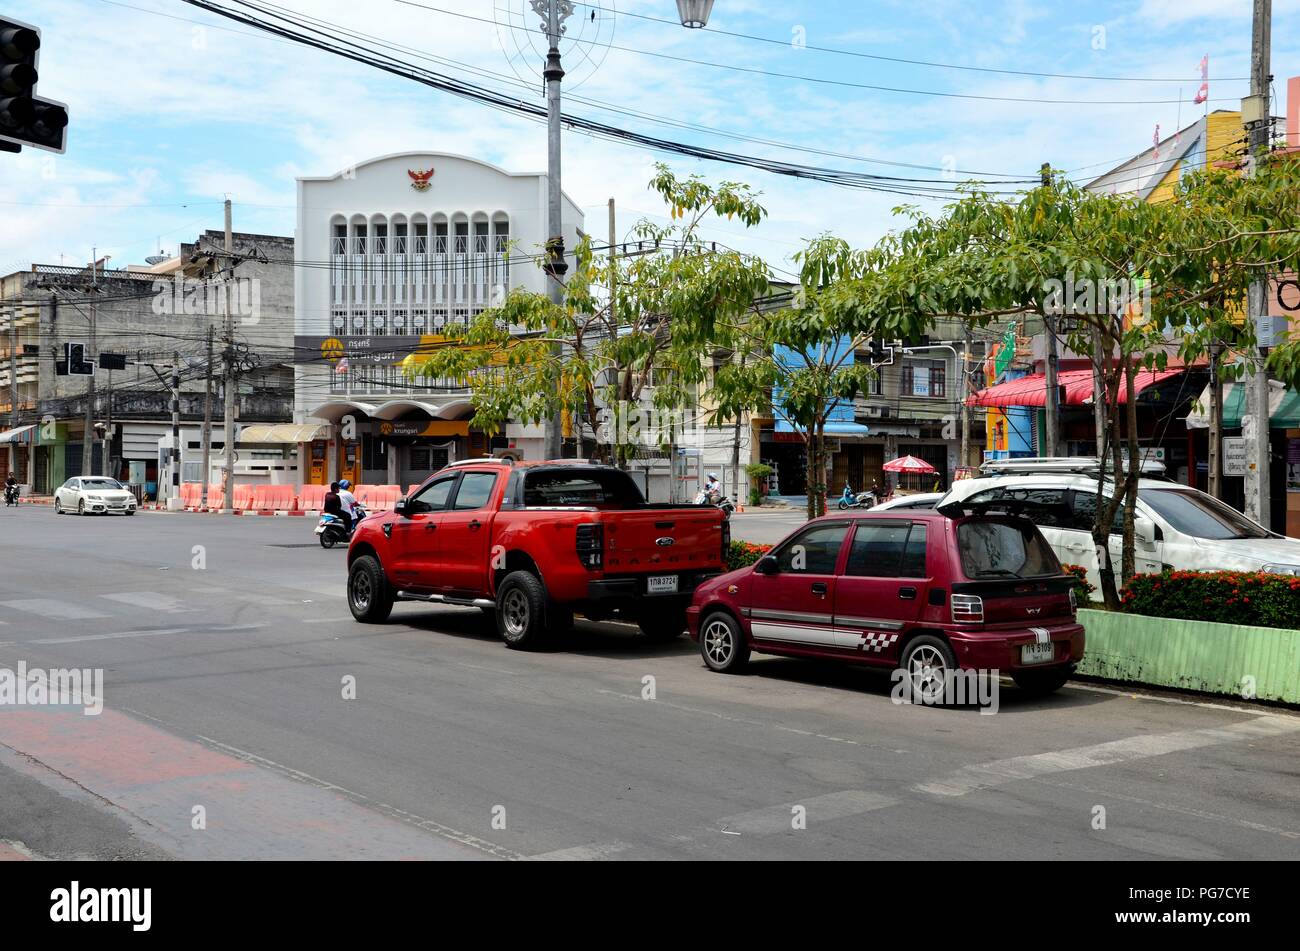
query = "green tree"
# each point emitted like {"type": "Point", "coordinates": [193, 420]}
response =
{"type": "Point", "coordinates": [660, 322]}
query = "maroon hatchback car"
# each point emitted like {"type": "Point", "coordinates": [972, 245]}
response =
{"type": "Point", "coordinates": [920, 591]}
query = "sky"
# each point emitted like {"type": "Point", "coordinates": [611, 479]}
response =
{"type": "Point", "coordinates": [174, 109]}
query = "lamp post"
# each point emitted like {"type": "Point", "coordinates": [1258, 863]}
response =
{"type": "Point", "coordinates": [694, 13]}
{"type": "Point", "coordinates": [553, 13]}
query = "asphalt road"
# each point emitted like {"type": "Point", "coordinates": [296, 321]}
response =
{"type": "Point", "coordinates": [226, 648]}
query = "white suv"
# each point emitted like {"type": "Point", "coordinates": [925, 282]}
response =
{"type": "Point", "coordinates": [1175, 526]}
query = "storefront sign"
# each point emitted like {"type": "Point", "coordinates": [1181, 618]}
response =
{"type": "Point", "coordinates": [419, 427]}
{"type": "Point", "coordinates": [374, 350]}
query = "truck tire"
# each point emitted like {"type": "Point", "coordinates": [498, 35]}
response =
{"type": "Point", "coordinates": [370, 597]}
{"type": "Point", "coordinates": [521, 611]}
{"type": "Point", "coordinates": [665, 627]}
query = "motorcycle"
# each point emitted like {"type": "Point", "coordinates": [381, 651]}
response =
{"type": "Point", "coordinates": [331, 530]}
{"type": "Point", "coordinates": [11, 495]}
{"type": "Point", "coordinates": [863, 500]}
{"type": "Point", "coordinates": [721, 501]}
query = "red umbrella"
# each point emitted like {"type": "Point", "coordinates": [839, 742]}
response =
{"type": "Point", "coordinates": [910, 464]}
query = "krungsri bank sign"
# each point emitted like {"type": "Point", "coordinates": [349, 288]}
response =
{"type": "Point", "coordinates": [308, 348]}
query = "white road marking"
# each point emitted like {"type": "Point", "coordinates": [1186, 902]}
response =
{"type": "Point", "coordinates": [581, 853]}
{"type": "Point", "coordinates": [838, 805]}
{"type": "Point", "coordinates": [1000, 772]}
{"type": "Point", "coordinates": [730, 719]}
{"type": "Point", "coordinates": [150, 601]}
{"type": "Point", "coordinates": [327, 620]}
{"type": "Point", "coordinates": [223, 629]}
{"type": "Point", "coordinates": [428, 825]}
{"type": "Point", "coordinates": [56, 610]}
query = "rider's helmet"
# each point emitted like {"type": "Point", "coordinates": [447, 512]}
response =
{"type": "Point", "coordinates": [344, 484]}
{"type": "Point", "coordinates": [713, 476]}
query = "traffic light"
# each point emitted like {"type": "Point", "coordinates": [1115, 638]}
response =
{"type": "Point", "coordinates": [25, 118]}
{"type": "Point", "coordinates": [74, 358]}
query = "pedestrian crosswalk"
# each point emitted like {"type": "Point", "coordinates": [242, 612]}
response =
{"type": "Point", "coordinates": [19, 612]}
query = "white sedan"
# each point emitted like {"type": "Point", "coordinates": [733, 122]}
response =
{"type": "Point", "coordinates": [97, 494]}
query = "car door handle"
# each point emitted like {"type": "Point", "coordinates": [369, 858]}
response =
{"type": "Point", "coordinates": [907, 593]}
{"type": "Point", "coordinates": [475, 525]}
{"type": "Point", "coordinates": [430, 528]}
{"type": "Point", "coordinates": [819, 588]}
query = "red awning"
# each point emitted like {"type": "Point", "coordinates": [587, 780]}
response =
{"type": "Point", "coordinates": [1032, 390]}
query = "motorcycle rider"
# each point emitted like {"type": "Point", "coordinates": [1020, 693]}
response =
{"type": "Point", "coordinates": [349, 502]}
{"type": "Point", "coordinates": [333, 505]}
{"type": "Point", "coordinates": [11, 487]}
{"type": "Point", "coordinates": [713, 488]}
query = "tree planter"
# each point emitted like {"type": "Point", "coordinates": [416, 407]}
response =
{"type": "Point", "coordinates": [1228, 659]}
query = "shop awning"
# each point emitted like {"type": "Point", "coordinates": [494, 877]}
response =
{"type": "Point", "coordinates": [1032, 390]}
{"type": "Point", "coordinates": [1283, 404]}
{"type": "Point", "coordinates": [22, 434]}
{"type": "Point", "coordinates": [833, 428]}
{"type": "Point", "coordinates": [292, 433]}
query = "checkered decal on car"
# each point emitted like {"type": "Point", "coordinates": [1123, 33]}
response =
{"type": "Point", "coordinates": [877, 642]}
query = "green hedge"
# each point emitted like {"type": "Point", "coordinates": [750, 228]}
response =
{"type": "Point", "coordinates": [741, 554]}
{"type": "Point", "coordinates": [1228, 597]}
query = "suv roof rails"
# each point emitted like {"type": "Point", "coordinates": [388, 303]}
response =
{"type": "Point", "coordinates": [1064, 464]}
{"type": "Point", "coordinates": [484, 461]}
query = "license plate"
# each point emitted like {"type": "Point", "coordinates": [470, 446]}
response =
{"type": "Point", "coordinates": [661, 584]}
{"type": "Point", "coordinates": [1037, 653]}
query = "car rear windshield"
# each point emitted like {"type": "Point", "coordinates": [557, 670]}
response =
{"type": "Point", "coordinates": [576, 487]}
{"type": "Point", "coordinates": [1004, 549]}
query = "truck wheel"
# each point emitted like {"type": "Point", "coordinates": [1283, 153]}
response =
{"type": "Point", "coordinates": [369, 595]}
{"type": "Point", "coordinates": [521, 611]}
{"type": "Point", "coordinates": [1039, 683]}
{"type": "Point", "coordinates": [723, 645]}
{"type": "Point", "coordinates": [665, 627]}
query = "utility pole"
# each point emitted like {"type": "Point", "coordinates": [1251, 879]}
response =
{"type": "Point", "coordinates": [228, 338]}
{"type": "Point", "coordinates": [554, 13]}
{"type": "Point", "coordinates": [1255, 424]}
{"type": "Point", "coordinates": [175, 497]}
{"type": "Point", "coordinates": [108, 428]}
{"type": "Point", "coordinates": [1052, 403]}
{"type": "Point", "coordinates": [207, 426]}
{"type": "Point", "coordinates": [87, 441]}
{"type": "Point", "coordinates": [13, 384]}
{"type": "Point", "coordinates": [616, 435]}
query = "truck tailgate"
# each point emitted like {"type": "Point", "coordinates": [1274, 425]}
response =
{"type": "Point", "coordinates": [656, 540]}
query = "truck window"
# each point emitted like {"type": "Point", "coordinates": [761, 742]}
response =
{"type": "Point", "coordinates": [475, 490]}
{"type": "Point", "coordinates": [574, 487]}
{"type": "Point", "coordinates": [433, 498]}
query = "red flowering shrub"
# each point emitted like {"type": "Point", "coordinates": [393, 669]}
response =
{"type": "Point", "coordinates": [1231, 597]}
{"type": "Point", "coordinates": [1082, 589]}
{"type": "Point", "coordinates": [740, 554]}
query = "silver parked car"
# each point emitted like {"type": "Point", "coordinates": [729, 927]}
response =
{"type": "Point", "coordinates": [97, 494]}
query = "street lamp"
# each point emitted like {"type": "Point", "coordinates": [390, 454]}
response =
{"type": "Point", "coordinates": [694, 13]}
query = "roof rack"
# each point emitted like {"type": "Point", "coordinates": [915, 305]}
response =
{"type": "Point", "coordinates": [481, 461]}
{"type": "Point", "coordinates": [1089, 465]}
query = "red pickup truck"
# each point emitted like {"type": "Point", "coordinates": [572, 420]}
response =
{"type": "Point", "coordinates": [535, 543]}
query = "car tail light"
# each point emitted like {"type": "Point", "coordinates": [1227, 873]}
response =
{"type": "Point", "coordinates": [967, 609]}
{"type": "Point", "coordinates": [726, 539]}
{"type": "Point", "coordinates": [590, 544]}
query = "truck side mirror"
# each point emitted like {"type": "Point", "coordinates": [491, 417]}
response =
{"type": "Point", "coordinates": [1144, 531]}
{"type": "Point", "coordinates": [399, 508]}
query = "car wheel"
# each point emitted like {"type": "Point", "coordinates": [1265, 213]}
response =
{"type": "Point", "coordinates": [81, 506]}
{"type": "Point", "coordinates": [665, 627]}
{"type": "Point", "coordinates": [722, 644]}
{"type": "Point", "coordinates": [927, 663]}
{"type": "Point", "coordinates": [130, 511]}
{"type": "Point", "coordinates": [521, 611]}
{"type": "Point", "coordinates": [1039, 683]}
{"type": "Point", "coordinates": [58, 506]}
{"type": "Point", "coordinates": [370, 598]}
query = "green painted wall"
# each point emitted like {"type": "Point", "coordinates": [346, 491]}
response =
{"type": "Point", "coordinates": [1192, 655]}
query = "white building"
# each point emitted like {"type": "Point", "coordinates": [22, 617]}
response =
{"type": "Point", "coordinates": [388, 255]}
